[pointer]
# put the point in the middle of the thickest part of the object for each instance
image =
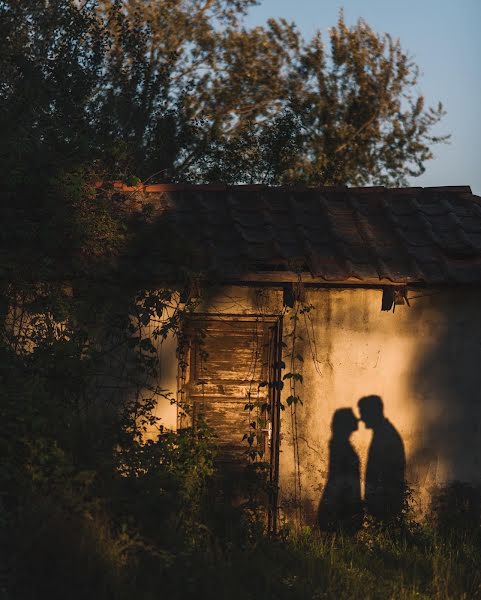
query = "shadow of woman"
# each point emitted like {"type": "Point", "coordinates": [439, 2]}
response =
{"type": "Point", "coordinates": [340, 508]}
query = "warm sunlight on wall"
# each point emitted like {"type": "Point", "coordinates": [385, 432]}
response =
{"type": "Point", "coordinates": [422, 360]}
{"type": "Point", "coordinates": [357, 350]}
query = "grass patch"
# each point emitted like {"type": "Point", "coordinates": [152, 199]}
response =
{"type": "Point", "coordinates": [78, 558]}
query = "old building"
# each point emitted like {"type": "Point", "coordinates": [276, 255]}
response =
{"type": "Point", "coordinates": [312, 299]}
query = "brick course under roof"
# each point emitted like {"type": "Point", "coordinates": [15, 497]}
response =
{"type": "Point", "coordinates": [364, 235]}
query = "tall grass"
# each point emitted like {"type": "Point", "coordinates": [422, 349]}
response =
{"type": "Point", "coordinates": [68, 556]}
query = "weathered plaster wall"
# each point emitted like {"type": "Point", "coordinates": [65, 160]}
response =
{"type": "Point", "coordinates": [166, 410]}
{"type": "Point", "coordinates": [423, 360]}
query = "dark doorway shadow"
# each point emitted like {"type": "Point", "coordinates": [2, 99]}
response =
{"type": "Point", "coordinates": [340, 508]}
{"type": "Point", "coordinates": [385, 490]}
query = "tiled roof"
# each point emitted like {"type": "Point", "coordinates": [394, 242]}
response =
{"type": "Point", "coordinates": [363, 235]}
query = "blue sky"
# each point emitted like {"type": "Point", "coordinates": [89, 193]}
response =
{"type": "Point", "coordinates": [444, 39]}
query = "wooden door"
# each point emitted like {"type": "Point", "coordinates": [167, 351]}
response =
{"type": "Point", "coordinates": [230, 377]}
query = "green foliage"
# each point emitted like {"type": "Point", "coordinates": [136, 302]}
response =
{"type": "Point", "coordinates": [150, 91]}
{"type": "Point", "coordinates": [265, 105]}
{"type": "Point", "coordinates": [103, 531]}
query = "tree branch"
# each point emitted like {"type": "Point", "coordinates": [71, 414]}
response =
{"type": "Point", "coordinates": [356, 133]}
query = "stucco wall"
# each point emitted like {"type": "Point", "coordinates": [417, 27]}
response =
{"type": "Point", "coordinates": [424, 360]}
{"type": "Point", "coordinates": [425, 363]}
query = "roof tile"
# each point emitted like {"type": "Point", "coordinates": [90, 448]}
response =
{"type": "Point", "coordinates": [402, 235]}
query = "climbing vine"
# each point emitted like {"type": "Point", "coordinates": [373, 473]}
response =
{"type": "Point", "coordinates": [297, 338]}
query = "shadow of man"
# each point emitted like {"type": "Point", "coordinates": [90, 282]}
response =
{"type": "Point", "coordinates": [385, 489]}
{"type": "Point", "coordinates": [340, 507]}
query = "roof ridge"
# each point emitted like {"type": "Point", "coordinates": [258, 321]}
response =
{"type": "Point", "coordinates": [171, 187]}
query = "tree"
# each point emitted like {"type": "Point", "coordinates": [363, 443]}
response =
{"type": "Point", "coordinates": [171, 90]}
{"type": "Point", "coordinates": [359, 118]}
{"type": "Point", "coordinates": [354, 114]}
{"type": "Point", "coordinates": [73, 357]}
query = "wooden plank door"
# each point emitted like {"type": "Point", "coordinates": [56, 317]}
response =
{"type": "Point", "coordinates": [230, 376]}
{"type": "Point", "coordinates": [228, 385]}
